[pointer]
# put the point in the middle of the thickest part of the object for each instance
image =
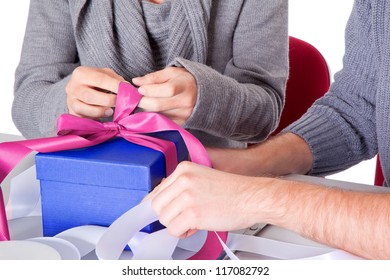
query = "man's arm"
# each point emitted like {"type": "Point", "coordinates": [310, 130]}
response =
{"type": "Point", "coordinates": [283, 154]}
{"type": "Point", "coordinates": [195, 197]}
{"type": "Point", "coordinates": [353, 221]}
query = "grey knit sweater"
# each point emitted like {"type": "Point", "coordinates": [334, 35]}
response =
{"type": "Point", "coordinates": [351, 122]}
{"type": "Point", "coordinates": [236, 49]}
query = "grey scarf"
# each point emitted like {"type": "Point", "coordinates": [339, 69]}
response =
{"type": "Point", "coordinates": [120, 41]}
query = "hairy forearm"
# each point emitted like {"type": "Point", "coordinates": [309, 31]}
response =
{"type": "Point", "coordinates": [353, 221]}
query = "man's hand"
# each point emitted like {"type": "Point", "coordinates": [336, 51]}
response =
{"type": "Point", "coordinates": [196, 197]}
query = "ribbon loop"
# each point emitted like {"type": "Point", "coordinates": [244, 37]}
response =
{"type": "Point", "coordinates": [126, 104]}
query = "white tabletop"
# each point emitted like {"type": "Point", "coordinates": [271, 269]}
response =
{"type": "Point", "coordinates": [9, 137]}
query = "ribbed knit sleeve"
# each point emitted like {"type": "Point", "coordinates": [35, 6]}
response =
{"type": "Point", "coordinates": [237, 51]}
{"type": "Point", "coordinates": [243, 102]}
{"type": "Point", "coordinates": [340, 127]}
{"type": "Point", "coordinates": [48, 57]}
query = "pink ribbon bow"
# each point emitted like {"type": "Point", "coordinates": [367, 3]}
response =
{"type": "Point", "coordinates": [78, 132]}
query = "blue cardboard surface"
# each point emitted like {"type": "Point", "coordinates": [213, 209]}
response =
{"type": "Point", "coordinates": [95, 185]}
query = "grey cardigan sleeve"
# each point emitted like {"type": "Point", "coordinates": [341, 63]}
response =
{"type": "Point", "coordinates": [48, 57]}
{"type": "Point", "coordinates": [244, 102]}
{"type": "Point", "coordinates": [340, 127]}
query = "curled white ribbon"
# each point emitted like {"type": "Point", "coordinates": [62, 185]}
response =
{"type": "Point", "coordinates": [97, 242]}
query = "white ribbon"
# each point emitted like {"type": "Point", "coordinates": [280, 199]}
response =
{"type": "Point", "coordinates": [95, 242]}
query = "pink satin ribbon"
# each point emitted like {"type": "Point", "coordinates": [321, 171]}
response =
{"type": "Point", "coordinates": [75, 132]}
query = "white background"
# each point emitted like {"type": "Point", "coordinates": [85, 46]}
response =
{"type": "Point", "coordinates": [319, 22]}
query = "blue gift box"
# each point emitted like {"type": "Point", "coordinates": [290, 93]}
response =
{"type": "Point", "coordinates": [96, 185]}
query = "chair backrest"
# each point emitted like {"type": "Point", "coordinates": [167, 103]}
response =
{"type": "Point", "coordinates": [309, 79]}
{"type": "Point", "coordinates": [379, 178]}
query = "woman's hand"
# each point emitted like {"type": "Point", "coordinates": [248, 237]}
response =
{"type": "Point", "coordinates": [88, 92]}
{"type": "Point", "coordinates": [195, 197]}
{"type": "Point", "coordinates": [171, 92]}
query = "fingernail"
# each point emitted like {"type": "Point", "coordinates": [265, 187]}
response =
{"type": "Point", "coordinates": [108, 112]}
{"type": "Point", "coordinates": [135, 80]}
{"type": "Point", "coordinates": [142, 90]}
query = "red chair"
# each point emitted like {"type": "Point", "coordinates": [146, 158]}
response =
{"type": "Point", "coordinates": [309, 79]}
{"type": "Point", "coordinates": [379, 178]}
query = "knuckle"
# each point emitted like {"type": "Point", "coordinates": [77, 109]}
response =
{"type": "Point", "coordinates": [188, 101]}
{"type": "Point", "coordinates": [187, 196]}
{"type": "Point", "coordinates": [79, 71]}
{"type": "Point", "coordinates": [170, 70]}
{"type": "Point", "coordinates": [96, 112]}
{"type": "Point", "coordinates": [110, 72]}
{"type": "Point", "coordinates": [74, 107]}
{"type": "Point", "coordinates": [156, 107]}
{"type": "Point", "coordinates": [108, 100]}
{"type": "Point", "coordinates": [185, 180]}
{"type": "Point", "coordinates": [151, 76]}
{"type": "Point", "coordinates": [163, 217]}
{"type": "Point", "coordinates": [184, 166]}
{"type": "Point", "coordinates": [156, 207]}
{"type": "Point", "coordinates": [98, 79]}
{"type": "Point", "coordinates": [85, 96]}
{"type": "Point", "coordinates": [173, 70]}
{"type": "Point", "coordinates": [68, 88]}
{"type": "Point", "coordinates": [107, 70]}
{"type": "Point", "coordinates": [193, 214]}
{"type": "Point", "coordinates": [111, 100]}
{"type": "Point", "coordinates": [170, 90]}
{"type": "Point", "coordinates": [173, 231]}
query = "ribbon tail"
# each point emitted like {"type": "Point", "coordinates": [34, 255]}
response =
{"type": "Point", "coordinates": [12, 153]}
{"type": "Point", "coordinates": [211, 247]}
{"type": "Point", "coordinates": [4, 232]}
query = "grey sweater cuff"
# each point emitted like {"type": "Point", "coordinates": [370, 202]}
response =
{"type": "Point", "coordinates": [208, 109]}
{"type": "Point", "coordinates": [42, 119]}
{"type": "Point", "coordinates": [329, 156]}
{"type": "Point", "coordinates": [56, 106]}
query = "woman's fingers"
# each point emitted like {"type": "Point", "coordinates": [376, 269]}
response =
{"type": "Point", "coordinates": [171, 92]}
{"type": "Point", "coordinates": [89, 92]}
{"type": "Point", "coordinates": [102, 78]}
{"type": "Point", "coordinates": [92, 96]}
{"type": "Point", "coordinates": [84, 110]}
{"type": "Point", "coordinates": [157, 77]}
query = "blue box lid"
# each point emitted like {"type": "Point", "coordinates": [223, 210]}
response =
{"type": "Point", "coordinates": [116, 163]}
